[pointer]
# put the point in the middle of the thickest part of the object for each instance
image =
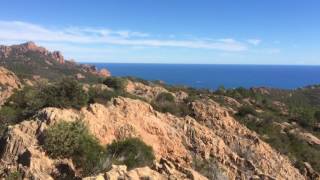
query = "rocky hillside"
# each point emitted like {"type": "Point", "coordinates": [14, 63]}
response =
{"type": "Point", "coordinates": [8, 83]}
{"type": "Point", "coordinates": [31, 61]}
{"type": "Point", "coordinates": [128, 128]}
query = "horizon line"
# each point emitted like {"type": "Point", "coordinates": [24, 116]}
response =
{"type": "Point", "coordinates": [86, 62]}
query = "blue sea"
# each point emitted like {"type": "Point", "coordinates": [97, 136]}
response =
{"type": "Point", "coordinates": [213, 76]}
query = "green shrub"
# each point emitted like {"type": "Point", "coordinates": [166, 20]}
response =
{"type": "Point", "coordinates": [245, 110]}
{"type": "Point", "coordinates": [102, 96]}
{"type": "Point", "coordinates": [14, 176]}
{"type": "Point", "coordinates": [27, 100]}
{"type": "Point", "coordinates": [132, 152]}
{"type": "Point", "coordinates": [24, 103]}
{"type": "Point", "coordinates": [117, 83]}
{"type": "Point", "coordinates": [165, 102]}
{"type": "Point", "coordinates": [66, 94]}
{"type": "Point", "coordinates": [317, 116]}
{"type": "Point", "coordinates": [73, 140]}
{"type": "Point", "coordinates": [165, 97]}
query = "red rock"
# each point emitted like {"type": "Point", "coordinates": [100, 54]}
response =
{"type": "Point", "coordinates": [56, 55]}
{"type": "Point", "coordinates": [104, 73]}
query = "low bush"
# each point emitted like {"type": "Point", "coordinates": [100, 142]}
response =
{"type": "Point", "coordinates": [24, 103]}
{"type": "Point", "coordinates": [165, 102]}
{"type": "Point", "coordinates": [117, 83]}
{"type": "Point", "coordinates": [73, 140]}
{"type": "Point", "coordinates": [317, 116]}
{"type": "Point", "coordinates": [14, 176]}
{"type": "Point", "coordinates": [132, 152]}
{"type": "Point", "coordinates": [165, 97]}
{"type": "Point", "coordinates": [102, 96]}
{"type": "Point", "coordinates": [245, 110]}
{"type": "Point", "coordinates": [68, 93]}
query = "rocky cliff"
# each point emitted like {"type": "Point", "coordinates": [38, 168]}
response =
{"type": "Point", "coordinates": [239, 153]}
{"type": "Point", "coordinates": [28, 59]}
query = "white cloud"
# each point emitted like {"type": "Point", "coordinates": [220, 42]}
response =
{"type": "Point", "coordinates": [227, 40]}
{"type": "Point", "coordinates": [24, 31]}
{"type": "Point", "coordinates": [254, 41]}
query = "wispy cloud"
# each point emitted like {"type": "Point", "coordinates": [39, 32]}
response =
{"type": "Point", "coordinates": [254, 41]}
{"type": "Point", "coordinates": [24, 31]}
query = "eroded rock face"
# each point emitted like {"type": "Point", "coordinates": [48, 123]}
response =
{"type": "Point", "coordinates": [239, 152]}
{"type": "Point", "coordinates": [5, 51]}
{"type": "Point", "coordinates": [57, 56]}
{"type": "Point", "coordinates": [104, 73]}
{"type": "Point", "coordinates": [120, 172]}
{"type": "Point", "coordinates": [20, 51]}
{"type": "Point", "coordinates": [20, 151]}
{"type": "Point", "coordinates": [144, 91]}
{"type": "Point", "coordinates": [257, 156]}
{"type": "Point", "coordinates": [8, 83]}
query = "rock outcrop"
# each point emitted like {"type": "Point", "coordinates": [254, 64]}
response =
{"type": "Point", "coordinates": [144, 91]}
{"type": "Point", "coordinates": [239, 152]}
{"type": "Point", "coordinates": [5, 51]}
{"type": "Point", "coordinates": [121, 172]}
{"type": "Point", "coordinates": [150, 92]}
{"type": "Point", "coordinates": [8, 83]}
{"type": "Point", "coordinates": [104, 73]}
{"type": "Point", "coordinates": [22, 52]}
{"type": "Point", "coordinates": [253, 154]}
{"type": "Point", "coordinates": [56, 55]}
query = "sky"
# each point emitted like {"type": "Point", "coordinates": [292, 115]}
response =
{"type": "Point", "coordinates": [169, 31]}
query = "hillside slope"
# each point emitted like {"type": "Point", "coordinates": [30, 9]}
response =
{"type": "Point", "coordinates": [193, 134]}
{"type": "Point", "coordinates": [28, 60]}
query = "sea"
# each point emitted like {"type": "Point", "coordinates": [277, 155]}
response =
{"type": "Point", "coordinates": [214, 76]}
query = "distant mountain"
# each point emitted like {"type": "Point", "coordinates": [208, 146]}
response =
{"type": "Point", "coordinates": [28, 60]}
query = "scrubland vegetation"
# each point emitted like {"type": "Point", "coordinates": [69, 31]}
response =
{"type": "Point", "coordinates": [73, 140]}
{"type": "Point", "coordinates": [257, 111]}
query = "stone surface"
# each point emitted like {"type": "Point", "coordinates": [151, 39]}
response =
{"type": "Point", "coordinates": [8, 83]}
{"type": "Point", "coordinates": [238, 151]}
{"type": "Point", "coordinates": [104, 73]}
{"type": "Point", "coordinates": [144, 91]}
{"type": "Point", "coordinates": [251, 154]}
{"type": "Point", "coordinates": [121, 172]}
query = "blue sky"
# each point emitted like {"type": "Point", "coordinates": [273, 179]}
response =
{"type": "Point", "coordinates": [169, 31]}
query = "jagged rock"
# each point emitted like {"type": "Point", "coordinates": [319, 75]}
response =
{"type": "Point", "coordinates": [309, 172]}
{"type": "Point", "coordinates": [40, 165]}
{"type": "Point", "coordinates": [17, 139]}
{"type": "Point", "coordinates": [20, 151]}
{"type": "Point", "coordinates": [20, 52]}
{"type": "Point", "coordinates": [238, 151]}
{"type": "Point", "coordinates": [144, 91]}
{"type": "Point", "coordinates": [230, 102]}
{"type": "Point", "coordinates": [308, 137]}
{"type": "Point", "coordinates": [180, 96]}
{"type": "Point", "coordinates": [120, 172]}
{"type": "Point", "coordinates": [255, 155]}
{"type": "Point", "coordinates": [104, 73]}
{"type": "Point", "coordinates": [56, 55]}
{"type": "Point", "coordinates": [8, 83]}
{"type": "Point", "coordinates": [30, 46]}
